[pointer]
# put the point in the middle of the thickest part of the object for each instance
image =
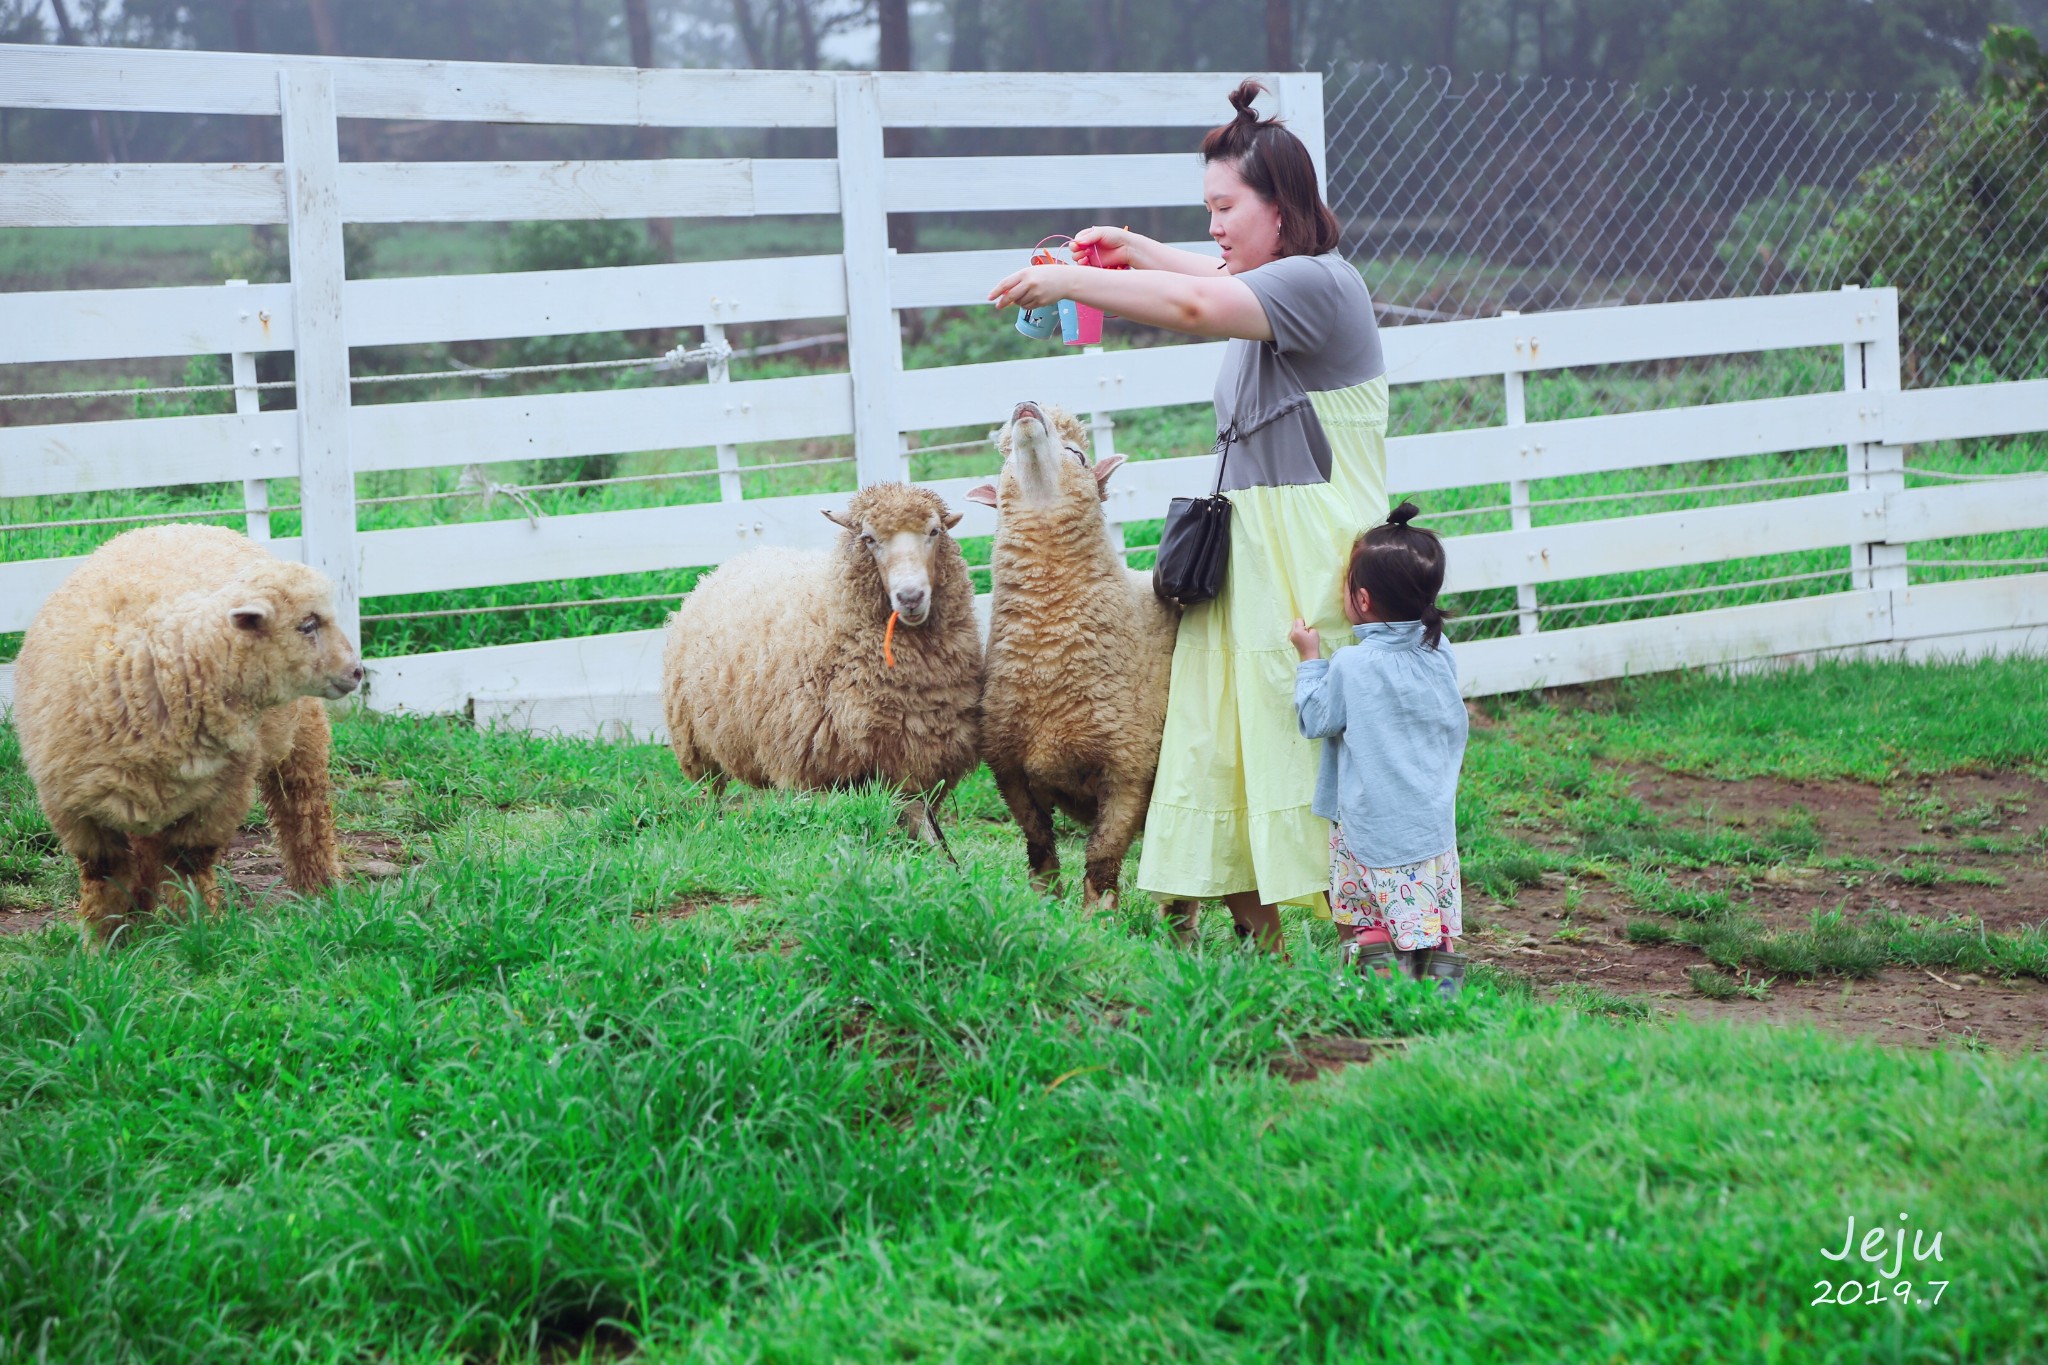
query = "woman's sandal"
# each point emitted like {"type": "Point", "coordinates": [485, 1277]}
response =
{"type": "Point", "coordinates": [1446, 968]}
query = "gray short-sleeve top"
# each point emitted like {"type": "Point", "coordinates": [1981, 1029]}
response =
{"type": "Point", "coordinates": [1324, 338]}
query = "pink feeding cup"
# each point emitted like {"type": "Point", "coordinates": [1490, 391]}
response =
{"type": "Point", "coordinates": [1080, 324]}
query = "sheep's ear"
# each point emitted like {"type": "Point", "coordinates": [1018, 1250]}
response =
{"type": "Point", "coordinates": [952, 519]}
{"type": "Point", "coordinates": [985, 495]}
{"type": "Point", "coordinates": [251, 616]}
{"type": "Point", "coordinates": [835, 518]}
{"type": "Point", "coordinates": [1105, 467]}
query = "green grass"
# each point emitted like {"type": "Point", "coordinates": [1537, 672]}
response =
{"type": "Point", "coordinates": [754, 1078]}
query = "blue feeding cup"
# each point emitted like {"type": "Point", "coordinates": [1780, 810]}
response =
{"type": "Point", "coordinates": [1037, 323]}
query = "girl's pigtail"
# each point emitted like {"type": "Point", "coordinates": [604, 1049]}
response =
{"type": "Point", "coordinates": [1432, 625]}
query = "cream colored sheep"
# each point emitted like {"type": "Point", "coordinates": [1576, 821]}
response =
{"type": "Point", "coordinates": [1079, 654]}
{"type": "Point", "coordinates": [167, 679]}
{"type": "Point", "coordinates": [774, 672]}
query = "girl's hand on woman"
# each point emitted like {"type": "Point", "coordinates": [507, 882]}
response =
{"type": "Point", "coordinates": [1306, 642]}
{"type": "Point", "coordinates": [1035, 286]}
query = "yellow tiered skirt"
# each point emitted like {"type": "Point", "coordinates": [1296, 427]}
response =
{"type": "Point", "coordinates": [1230, 806]}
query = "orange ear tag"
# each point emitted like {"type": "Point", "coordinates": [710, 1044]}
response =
{"type": "Point", "coordinates": [888, 654]}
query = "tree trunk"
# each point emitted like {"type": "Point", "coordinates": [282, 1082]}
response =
{"type": "Point", "coordinates": [970, 37]}
{"type": "Point", "coordinates": [68, 36]}
{"type": "Point", "coordinates": [1280, 35]}
{"type": "Point", "coordinates": [242, 16]}
{"type": "Point", "coordinates": [894, 55]}
{"type": "Point", "coordinates": [649, 142]}
{"type": "Point", "coordinates": [1447, 35]}
{"type": "Point", "coordinates": [325, 36]}
{"type": "Point", "coordinates": [750, 33]}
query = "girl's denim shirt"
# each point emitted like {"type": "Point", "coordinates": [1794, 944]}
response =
{"type": "Point", "coordinates": [1393, 726]}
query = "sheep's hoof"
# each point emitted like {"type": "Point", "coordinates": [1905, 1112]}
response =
{"type": "Point", "coordinates": [1101, 903]}
{"type": "Point", "coordinates": [921, 824]}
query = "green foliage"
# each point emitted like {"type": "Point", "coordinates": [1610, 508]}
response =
{"type": "Point", "coordinates": [1960, 225]}
{"type": "Point", "coordinates": [1760, 251]}
{"type": "Point", "coordinates": [573, 245]}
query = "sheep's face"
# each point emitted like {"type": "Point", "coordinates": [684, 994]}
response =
{"type": "Point", "coordinates": [1045, 459]}
{"type": "Point", "coordinates": [904, 537]}
{"type": "Point", "coordinates": [283, 618]}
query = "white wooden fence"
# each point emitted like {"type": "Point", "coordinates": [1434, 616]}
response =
{"type": "Point", "coordinates": [607, 681]}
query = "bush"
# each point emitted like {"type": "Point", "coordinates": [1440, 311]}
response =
{"type": "Point", "coordinates": [1761, 252]}
{"type": "Point", "coordinates": [1960, 224]}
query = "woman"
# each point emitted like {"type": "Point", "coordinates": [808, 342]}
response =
{"type": "Point", "coordinates": [1303, 399]}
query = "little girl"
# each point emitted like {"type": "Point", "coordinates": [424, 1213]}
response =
{"type": "Point", "coordinates": [1390, 708]}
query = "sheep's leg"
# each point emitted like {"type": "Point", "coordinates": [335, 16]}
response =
{"type": "Point", "coordinates": [296, 794]}
{"type": "Point", "coordinates": [1120, 813]}
{"type": "Point", "coordinates": [1033, 814]}
{"type": "Point", "coordinates": [116, 877]}
{"type": "Point", "coordinates": [194, 864]}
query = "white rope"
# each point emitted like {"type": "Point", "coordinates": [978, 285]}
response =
{"type": "Point", "coordinates": [1692, 592]}
{"type": "Point", "coordinates": [675, 358]}
{"type": "Point", "coordinates": [136, 520]}
{"type": "Point", "coordinates": [524, 606]}
{"type": "Point", "coordinates": [1985, 478]}
{"type": "Point", "coordinates": [2033, 563]}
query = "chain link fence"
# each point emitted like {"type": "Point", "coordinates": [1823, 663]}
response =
{"type": "Point", "coordinates": [1468, 196]}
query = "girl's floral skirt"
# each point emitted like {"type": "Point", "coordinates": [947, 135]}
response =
{"type": "Point", "coordinates": [1420, 905]}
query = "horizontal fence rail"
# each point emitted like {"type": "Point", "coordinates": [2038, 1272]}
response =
{"type": "Point", "coordinates": [1866, 508]}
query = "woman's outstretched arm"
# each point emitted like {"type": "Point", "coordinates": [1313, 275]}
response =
{"type": "Point", "coordinates": [1212, 306]}
{"type": "Point", "coordinates": [1121, 246]}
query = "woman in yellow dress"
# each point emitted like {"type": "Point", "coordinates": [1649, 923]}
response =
{"type": "Point", "coordinates": [1301, 417]}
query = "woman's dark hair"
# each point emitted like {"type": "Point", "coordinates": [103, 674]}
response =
{"type": "Point", "coordinates": [1402, 566]}
{"type": "Point", "coordinates": [1277, 167]}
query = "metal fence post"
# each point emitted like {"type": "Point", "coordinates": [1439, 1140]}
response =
{"type": "Point", "coordinates": [1527, 618]}
{"type": "Point", "coordinates": [718, 370]}
{"type": "Point", "coordinates": [327, 481]}
{"type": "Point", "coordinates": [255, 492]}
{"type": "Point", "coordinates": [874, 342]}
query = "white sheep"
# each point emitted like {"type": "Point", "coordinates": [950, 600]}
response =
{"type": "Point", "coordinates": [171, 676]}
{"type": "Point", "coordinates": [780, 669]}
{"type": "Point", "coordinates": [1080, 651]}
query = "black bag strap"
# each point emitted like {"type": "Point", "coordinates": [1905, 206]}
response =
{"type": "Point", "coordinates": [1224, 438]}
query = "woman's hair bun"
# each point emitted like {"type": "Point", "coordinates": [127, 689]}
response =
{"type": "Point", "coordinates": [1242, 98]}
{"type": "Point", "coordinates": [1403, 514]}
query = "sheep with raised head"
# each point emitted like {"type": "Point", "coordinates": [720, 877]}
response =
{"type": "Point", "coordinates": [1080, 652]}
{"type": "Point", "coordinates": [782, 668]}
{"type": "Point", "coordinates": [173, 675]}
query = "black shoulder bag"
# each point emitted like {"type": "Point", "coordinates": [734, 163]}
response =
{"type": "Point", "coordinates": [1194, 549]}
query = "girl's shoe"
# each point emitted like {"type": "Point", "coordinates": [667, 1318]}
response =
{"type": "Point", "coordinates": [1374, 959]}
{"type": "Point", "coordinates": [1446, 968]}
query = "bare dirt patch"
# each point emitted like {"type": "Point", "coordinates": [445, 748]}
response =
{"type": "Point", "coordinates": [252, 865]}
{"type": "Point", "coordinates": [1960, 844]}
{"type": "Point", "coordinates": [1937, 848]}
{"type": "Point", "coordinates": [1316, 1057]}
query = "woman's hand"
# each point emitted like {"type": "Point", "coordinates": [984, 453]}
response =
{"type": "Point", "coordinates": [1115, 246]}
{"type": "Point", "coordinates": [1307, 644]}
{"type": "Point", "coordinates": [1035, 286]}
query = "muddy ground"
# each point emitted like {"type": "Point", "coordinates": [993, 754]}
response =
{"type": "Point", "coordinates": [252, 865]}
{"type": "Point", "coordinates": [1921, 833]}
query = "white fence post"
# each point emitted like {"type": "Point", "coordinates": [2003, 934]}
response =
{"type": "Point", "coordinates": [1102, 439]}
{"type": "Point", "coordinates": [1871, 367]}
{"type": "Point", "coordinates": [327, 482]}
{"type": "Point", "coordinates": [1301, 105]}
{"type": "Point", "coordinates": [874, 341]}
{"type": "Point", "coordinates": [718, 370]}
{"type": "Point", "coordinates": [1527, 619]}
{"type": "Point", "coordinates": [255, 492]}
